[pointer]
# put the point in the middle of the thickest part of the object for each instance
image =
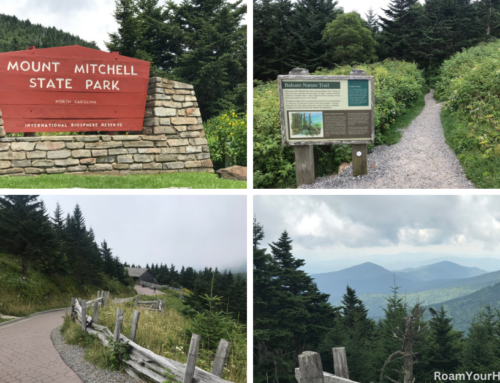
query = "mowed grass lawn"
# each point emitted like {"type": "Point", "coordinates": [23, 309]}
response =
{"type": "Point", "coordinates": [153, 181]}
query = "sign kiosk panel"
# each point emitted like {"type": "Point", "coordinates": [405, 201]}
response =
{"type": "Point", "coordinates": [70, 89]}
{"type": "Point", "coordinates": [326, 110]}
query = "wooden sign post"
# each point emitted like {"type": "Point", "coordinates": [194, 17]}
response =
{"type": "Point", "coordinates": [71, 89]}
{"type": "Point", "coordinates": [326, 110]}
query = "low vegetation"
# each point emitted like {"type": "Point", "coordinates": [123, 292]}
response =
{"type": "Point", "coordinates": [154, 181]}
{"type": "Point", "coordinates": [468, 83]}
{"type": "Point", "coordinates": [399, 89]}
{"type": "Point", "coordinates": [45, 292]}
{"type": "Point", "coordinates": [168, 334]}
{"type": "Point", "coordinates": [227, 136]}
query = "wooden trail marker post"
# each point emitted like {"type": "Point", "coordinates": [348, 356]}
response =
{"type": "Point", "coordinates": [326, 110]}
{"type": "Point", "coordinates": [96, 317]}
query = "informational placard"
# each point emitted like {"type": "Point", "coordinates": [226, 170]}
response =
{"type": "Point", "coordinates": [324, 110]}
{"type": "Point", "coordinates": [71, 89]}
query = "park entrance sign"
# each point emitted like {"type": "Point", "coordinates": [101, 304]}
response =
{"type": "Point", "coordinates": [326, 110]}
{"type": "Point", "coordinates": [70, 89]}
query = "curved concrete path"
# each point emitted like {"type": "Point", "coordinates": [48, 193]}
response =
{"type": "Point", "coordinates": [27, 354]}
{"type": "Point", "coordinates": [146, 291]}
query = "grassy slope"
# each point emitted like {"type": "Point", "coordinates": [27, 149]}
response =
{"type": "Point", "coordinates": [164, 333]}
{"type": "Point", "coordinates": [156, 181]}
{"type": "Point", "coordinates": [483, 172]}
{"type": "Point", "coordinates": [43, 292]}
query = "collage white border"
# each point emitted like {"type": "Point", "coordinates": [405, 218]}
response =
{"type": "Point", "coordinates": [250, 192]}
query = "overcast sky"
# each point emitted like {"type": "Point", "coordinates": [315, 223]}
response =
{"type": "Point", "coordinates": [197, 231]}
{"type": "Point", "coordinates": [326, 228]}
{"type": "Point", "coordinates": [91, 20]}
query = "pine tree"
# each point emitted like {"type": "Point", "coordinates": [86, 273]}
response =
{"type": "Point", "coordinates": [444, 353]}
{"type": "Point", "coordinates": [372, 21]}
{"type": "Point", "coordinates": [274, 42]}
{"type": "Point", "coordinates": [309, 20]}
{"type": "Point", "coordinates": [125, 40]}
{"type": "Point", "coordinates": [26, 232]}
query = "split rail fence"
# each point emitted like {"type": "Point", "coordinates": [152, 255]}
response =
{"type": "Point", "coordinates": [144, 362]}
{"type": "Point", "coordinates": [311, 369]}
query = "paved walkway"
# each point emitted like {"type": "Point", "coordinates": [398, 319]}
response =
{"type": "Point", "coordinates": [146, 291]}
{"type": "Point", "coordinates": [27, 354]}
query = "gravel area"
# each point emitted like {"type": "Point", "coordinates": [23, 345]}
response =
{"type": "Point", "coordinates": [73, 356]}
{"type": "Point", "coordinates": [420, 160]}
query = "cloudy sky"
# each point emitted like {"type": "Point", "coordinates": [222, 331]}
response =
{"type": "Point", "coordinates": [197, 231]}
{"type": "Point", "coordinates": [91, 20]}
{"type": "Point", "coordinates": [347, 229]}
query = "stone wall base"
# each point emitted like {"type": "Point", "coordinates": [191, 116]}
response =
{"type": "Point", "coordinates": [103, 154]}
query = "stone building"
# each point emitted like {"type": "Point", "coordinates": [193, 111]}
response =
{"type": "Point", "coordinates": [141, 275]}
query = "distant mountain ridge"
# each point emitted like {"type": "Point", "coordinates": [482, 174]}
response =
{"type": "Point", "coordinates": [460, 289]}
{"type": "Point", "coordinates": [18, 34]}
{"type": "Point", "coordinates": [369, 278]}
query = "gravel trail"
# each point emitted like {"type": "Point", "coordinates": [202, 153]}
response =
{"type": "Point", "coordinates": [74, 356]}
{"type": "Point", "coordinates": [420, 160]}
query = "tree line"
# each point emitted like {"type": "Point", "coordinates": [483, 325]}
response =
{"type": "Point", "coordinates": [55, 245]}
{"type": "Point", "coordinates": [199, 42]}
{"type": "Point", "coordinates": [317, 34]}
{"type": "Point", "coordinates": [291, 316]}
{"type": "Point", "coordinates": [16, 35]}
{"type": "Point", "coordinates": [230, 288]}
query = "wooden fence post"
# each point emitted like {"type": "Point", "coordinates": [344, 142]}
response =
{"type": "Point", "coordinates": [118, 325]}
{"type": "Point", "coordinates": [311, 368]}
{"type": "Point", "coordinates": [340, 362]}
{"type": "Point", "coordinates": [221, 358]}
{"type": "Point", "coordinates": [135, 322]}
{"type": "Point", "coordinates": [191, 360]}
{"type": "Point", "coordinates": [359, 151]}
{"type": "Point", "coordinates": [137, 301]}
{"type": "Point", "coordinates": [96, 306]}
{"type": "Point", "coordinates": [84, 315]}
{"type": "Point", "coordinates": [72, 307]}
{"type": "Point", "coordinates": [304, 154]}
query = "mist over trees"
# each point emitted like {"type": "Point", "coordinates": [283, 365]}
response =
{"type": "Point", "coordinates": [291, 316]}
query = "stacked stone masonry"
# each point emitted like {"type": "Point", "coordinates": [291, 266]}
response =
{"type": "Point", "coordinates": [172, 141]}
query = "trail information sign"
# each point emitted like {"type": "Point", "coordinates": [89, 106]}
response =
{"type": "Point", "coordinates": [326, 110]}
{"type": "Point", "coordinates": [71, 89]}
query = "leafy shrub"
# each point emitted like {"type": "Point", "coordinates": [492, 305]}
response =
{"type": "Point", "coordinates": [397, 86]}
{"type": "Point", "coordinates": [229, 127]}
{"type": "Point", "coordinates": [470, 84]}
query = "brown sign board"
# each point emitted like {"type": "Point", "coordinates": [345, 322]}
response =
{"type": "Point", "coordinates": [326, 110]}
{"type": "Point", "coordinates": [70, 89]}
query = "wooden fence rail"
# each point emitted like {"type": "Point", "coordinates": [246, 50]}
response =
{"type": "Point", "coordinates": [144, 362]}
{"type": "Point", "coordinates": [311, 369]}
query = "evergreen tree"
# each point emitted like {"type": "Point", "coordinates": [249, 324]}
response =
{"type": "Point", "coordinates": [444, 353]}
{"type": "Point", "coordinates": [480, 349]}
{"type": "Point", "coordinates": [26, 232]}
{"type": "Point", "coordinates": [372, 21]}
{"type": "Point", "coordinates": [274, 42]}
{"type": "Point", "coordinates": [213, 57]}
